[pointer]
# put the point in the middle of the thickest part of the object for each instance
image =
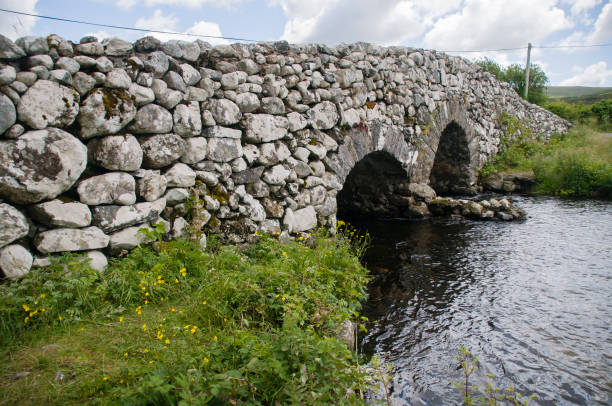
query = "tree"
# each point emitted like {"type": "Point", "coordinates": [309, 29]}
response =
{"type": "Point", "coordinates": [515, 76]}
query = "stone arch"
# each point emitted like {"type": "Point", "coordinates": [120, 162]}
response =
{"type": "Point", "coordinates": [450, 172]}
{"type": "Point", "coordinates": [448, 149]}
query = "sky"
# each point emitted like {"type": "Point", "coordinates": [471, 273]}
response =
{"type": "Point", "coordinates": [445, 25]}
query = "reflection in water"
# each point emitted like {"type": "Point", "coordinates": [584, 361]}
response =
{"type": "Point", "coordinates": [531, 299]}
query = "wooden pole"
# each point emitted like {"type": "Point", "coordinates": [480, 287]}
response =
{"type": "Point", "coordinates": [527, 71]}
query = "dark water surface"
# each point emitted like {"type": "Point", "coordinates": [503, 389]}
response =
{"type": "Point", "coordinates": [532, 299]}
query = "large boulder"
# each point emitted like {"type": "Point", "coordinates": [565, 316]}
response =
{"type": "Point", "coordinates": [15, 261]}
{"type": "Point", "coordinates": [116, 152]}
{"type": "Point", "coordinates": [8, 49]}
{"type": "Point", "coordinates": [180, 175]}
{"type": "Point", "coordinates": [223, 149]}
{"type": "Point", "coordinates": [40, 165]}
{"type": "Point", "coordinates": [8, 115]}
{"type": "Point", "coordinates": [70, 239]}
{"type": "Point", "coordinates": [152, 119]}
{"type": "Point", "coordinates": [112, 218]}
{"type": "Point", "coordinates": [13, 224]}
{"type": "Point", "coordinates": [264, 127]}
{"type": "Point", "coordinates": [110, 188]}
{"type": "Point", "coordinates": [56, 213]}
{"type": "Point", "coordinates": [48, 103]}
{"type": "Point", "coordinates": [152, 186]}
{"type": "Point", "coordinates": [106, 111]}
{"type": "Point", "coordinates": [162, 150]}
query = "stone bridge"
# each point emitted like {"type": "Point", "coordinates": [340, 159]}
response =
{"type": "Point", "coordinates": [100, 139]}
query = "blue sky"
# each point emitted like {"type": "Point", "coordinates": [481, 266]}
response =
{"type": "Point", "coordinates": [434, 24]}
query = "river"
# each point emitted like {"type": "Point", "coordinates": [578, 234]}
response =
{"type": "Point", "coordinates": [532, 299]}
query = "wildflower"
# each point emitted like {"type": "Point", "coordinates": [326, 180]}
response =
{"type": "Point", "coordinates": [26, 319]}
{"type": "Point", "coordinates": [150, 362]}
{"type": "Point", "coordinates": [193, 330]}
{"type": "Point", "coordinates": [186, 327]}
{"type": "Point", "coordinates": [205, 360]}
{"type": "Point", "coordinates": [284, 254]}
{"type": "Point", "coordinates": [215, 338]}
{"type": "Point", "coordinates": [204, 302]}
{"type": "Point", "coordinates": [125, 354]}
{"type": "Point", "coordinates": [42, 295]}
{"type": "Point", "coordinates": [167, 341]}
{"type": "Point", "coordinates": [105, 378]}
{"type": "Point", "coordinates": [26, 308]}
{"type": "Point", "coordinates": [146, 302]}
{"type": "Point", "coordinates": [121, 319]}
{"type": "Point", "coordinates": [146, 350]}
{"type": "Point", "coordinates": [146, 293]}
{"type": "Point", "coordinates": [144, 327]}
{"type": "Point", "coordinates": [59, 318]}
{"type": "Point", "coordinates": [283, 298]}
{"type": "Point", "coordinates": [175, 280]}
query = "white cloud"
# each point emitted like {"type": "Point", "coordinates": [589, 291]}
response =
{"type": "Point", "coordinates": [335, 21]}
{"type": "Point", "coordinates": [493, 24]}
{"type": "Point", "coordinates": [597, 74]}
{"type": "Point", "coordinates": [127, 4]}
{"type": "Point", "coordinates": [14, 25]}
{"type": "Point", "coordinates": [161, 22]}
{"type": "Point", "coordinates": [603, 26]}
{"type": "Point", "coordinates": [581, 6]}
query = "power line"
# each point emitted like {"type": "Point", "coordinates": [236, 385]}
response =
{"type": "Point", "coordinates": [123, 28]}
{"type": "Point", "coordinates": [252, 40]}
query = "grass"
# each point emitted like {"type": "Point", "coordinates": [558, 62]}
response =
{"type": "Point", "coordinates": [578, 163]}
{"type": "Point", "coordinates": [172, 324]}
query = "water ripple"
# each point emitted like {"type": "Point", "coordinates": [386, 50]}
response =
{"type": "Point", "coordinates": [532, 299]}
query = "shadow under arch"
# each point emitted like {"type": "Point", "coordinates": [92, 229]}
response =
{"type": "Point", "coordinates": [451, 172]}
{"type": "Point", "coordinates": [373, 188]}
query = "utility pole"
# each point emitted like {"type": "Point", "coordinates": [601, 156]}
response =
{"type": "Point", "coordinates": [527, 71]}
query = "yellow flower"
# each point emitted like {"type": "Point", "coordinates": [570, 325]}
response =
{"type": "Point", "coordinates": [146, 293]}
{"type": "Point", "coordinates": [146, 350]}
{"type": "Point", "coordinates": [193, 330]}
{"type": "Point", "coordinates": [283, 298]}
{"type": "Point", "coordinates": [173, 309]}
{"type": "Point", "coordinates": [144, 327]}
{"type": "Point", "coordinates": [125, 354]}
{"type": "Point", "coordinates": [167, 341]}
{"type": "Point", "coordinates": [150, 362]}
{"type": "Point", "coordinates": [42, 295]}
{"type": "Point", "coordinates": [205, 360]}
{"type": "Point", "coordinates": [26, 319]}
{"type": "Point", "coordinates": [204, 302]}
{"type": "Point", "coordinates": [121, 319]}
{"type": "Point", "coordinates": [26, 308]}
{"type": "Point", "coordinates": [215, 338]}
{"type": "Point", "coordinates": [105, 378]}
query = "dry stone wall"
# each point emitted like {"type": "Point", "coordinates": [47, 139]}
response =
{"type": "Point", "coordinates": [100, 139]}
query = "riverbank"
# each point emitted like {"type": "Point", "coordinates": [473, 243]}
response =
{"type": "Point", "coordinates": [578, 163]}
{"type": "Point", "coordinates": [257, 324]}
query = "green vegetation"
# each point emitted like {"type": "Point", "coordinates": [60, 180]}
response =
{"type": "Point", "coordinates": [578, 163]}
{"type": "Point", "coordinates": [171, 323]}
{"type": "Point", "coordinates": [490, 394]}
{"type": "Point", "coordinates": [515, 75]}
{"type": "Point", "coordinates": [597, 115]}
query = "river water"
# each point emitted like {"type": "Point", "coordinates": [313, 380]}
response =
{"type": "Point", "coordinates": [532, 299]}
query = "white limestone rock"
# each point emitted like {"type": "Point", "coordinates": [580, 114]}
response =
{"type": "Point", "coordinates": [189, 74]}
{"type": "Point", "coordinates": [8, 49]}
{"type": "Point", "coordinates": [224, 112]}
{"type": "Point", "coordinates": [56, 213]}
{"type": "Point", "coordinates": [195, 150]}
{"type": "Point", "coordinates": [223, 149]}
{"type": "Point", "coordinates": [97, 260]}
{"type": "Point", "coordinates": [15, 261]}
{"type": "Point", "coordinates": [116, 47]}
{"type": "Point", "coordinates": [83, 83]}
{"type": "Point", "coordinates": [323, 116]}
{"type": "Point", "coordinates": [70, 239]}
{"type": "Point", "coordinates": [180, 175]}
{"type": "Point", "coordinates": [152, 186]}
{"type": "Point", "coordinates": [106, 112]}
{"type": "Point", "coordinates": [176, 196]}
{"type": "Point", "coordinates": [188, 119]}
{"type": "Point", "coordinates": [247, 102]}
{"type": "Point", "coordinates": [7, 75]}
{"type": "Point", "coordinates": [40, 165]}
{"type": "Point", "coordinates": [8, 114]}
{"type": "Point", "coordinates": [300, 220]}
{"type": "Point", "coordinates": [48, 103]}
{"type": "Point", "coordinates": [116, 152]}
{"type": "Point", "coordinates": [152, 119]}
{"type": "Point", "coordinates": [277, 175]}
{"type": "Point", "coordinates": [222, 132]}
{"type": "Point", "coordinates": [264, 127]}
{"type": "Point", "coordinates": [128, 238]}
{"type": "Point", "coordinates": [142, 95]}
{"type": "Point", "coordinates": [161, 150]}
{"type": "Point", "coordinates": [110, 188]}
{"type": "Point", "coordinates": [112, 218]}
{"type": "Point", "coordinates": [13, 224]}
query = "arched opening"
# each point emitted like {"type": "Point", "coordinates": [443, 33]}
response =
{"type": "Point", "coordinates": [376, 186]}
{"type": "Point", "coordinates": [450, 173]}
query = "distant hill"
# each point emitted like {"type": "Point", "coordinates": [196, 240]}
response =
{"type": "Point", "coordinates": [577, 94]}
